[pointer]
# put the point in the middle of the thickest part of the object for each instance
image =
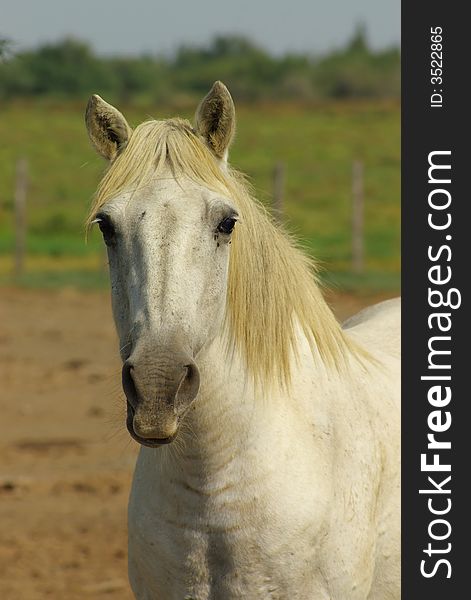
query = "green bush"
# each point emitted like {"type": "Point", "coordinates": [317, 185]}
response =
{"type": "Point", "coordinates": [70, 69]}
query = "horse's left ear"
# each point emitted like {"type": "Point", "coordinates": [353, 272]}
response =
{"type": "Point", "coordinates": [107, 128]}
{"type": "Point", "coordinates": [215, 120]}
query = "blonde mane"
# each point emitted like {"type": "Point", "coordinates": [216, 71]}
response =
{"type": "Point", "coordinates": [272, 288]}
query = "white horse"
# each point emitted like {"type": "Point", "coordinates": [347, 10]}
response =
{"type": "Point", "coordinates": [283, 479]}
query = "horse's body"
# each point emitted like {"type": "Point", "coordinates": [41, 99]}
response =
{"type": "Point", "coordinates": [284, 479]}
{"type": "Point", "coordinates": [298, 501]}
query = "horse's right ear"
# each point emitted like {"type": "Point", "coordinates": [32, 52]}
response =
{"type": "Point", "coordinates": [108, 130]}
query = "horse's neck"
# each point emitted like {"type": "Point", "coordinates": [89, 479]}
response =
{"type": "Point", "coordinates": [233, 424]}
{"type": "Point", "coordinates": [222, 420]}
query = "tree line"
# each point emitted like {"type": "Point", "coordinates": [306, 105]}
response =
{"type": "Point", "coordinates": [70, 68]}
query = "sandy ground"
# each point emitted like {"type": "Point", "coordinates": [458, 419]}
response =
{"type": "Point", "coordinates": [66, 460]}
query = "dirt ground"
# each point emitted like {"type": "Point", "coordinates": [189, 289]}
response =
{"type": "Point", "coordinates": [66, 459]}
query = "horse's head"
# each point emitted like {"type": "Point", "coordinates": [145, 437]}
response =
{"type": "Point", "coordinates": [168, 238]}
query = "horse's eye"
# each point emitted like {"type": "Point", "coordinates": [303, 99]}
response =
{"type": "Point", "coordinates": [227, 225]}
{"type": "Point", "coordinates": [107, 228]}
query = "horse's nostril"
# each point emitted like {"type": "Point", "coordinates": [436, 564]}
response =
{"type": "Point", "coordinates": [129, 386]}
{"type": "Point", "coordinates": [190, 383]}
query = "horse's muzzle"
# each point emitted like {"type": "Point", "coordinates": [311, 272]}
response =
{"type": "Point", "coordinates": [159, 389]}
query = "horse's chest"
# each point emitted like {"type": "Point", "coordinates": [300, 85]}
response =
{"type": "Point", "coordinates": [219, 551]}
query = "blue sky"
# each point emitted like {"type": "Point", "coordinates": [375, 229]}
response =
{"type": "Point", "coordinates": [137, 26]}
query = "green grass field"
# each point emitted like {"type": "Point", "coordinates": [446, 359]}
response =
{"type": "Point", "coordinates": [317, 145]}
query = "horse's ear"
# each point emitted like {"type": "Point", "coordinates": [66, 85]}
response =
{"type": "Point", "coordinates": [107, 128]}
{"type": "Point", "coordinates": [215, 120]}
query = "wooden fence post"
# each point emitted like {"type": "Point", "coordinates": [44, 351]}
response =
{"type": "Point", "coordinates": [278, 186]}
{"type": "Point", "coordinates": [358, 250]}
{"type": "Point", "coordinates": [21, 189]}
